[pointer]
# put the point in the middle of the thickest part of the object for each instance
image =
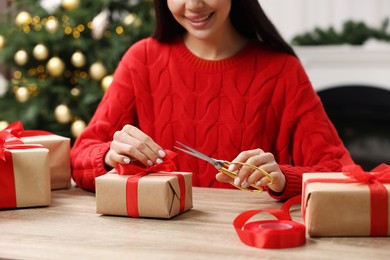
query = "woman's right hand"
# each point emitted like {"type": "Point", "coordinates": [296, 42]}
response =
{"type": "Point", "coordinates": [131, 144]}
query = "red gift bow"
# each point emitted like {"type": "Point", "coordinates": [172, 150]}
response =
{"type": "Point", "coordinates": [12, 134]}
{"type": "Point", "coordinates": [280, 233]}
{"type": "Point", "coordinates": [138, 172]}
{"type": "Point", "coordinates": [378, 193]}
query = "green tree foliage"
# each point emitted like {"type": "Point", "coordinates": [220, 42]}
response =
{"type": "Point", "coordinates": [61, 94]}
{"type": "Point", "coordinates": [352, 32]}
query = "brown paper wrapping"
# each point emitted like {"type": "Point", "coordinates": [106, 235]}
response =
{"type": "Point", "coordinates": [158, 196]}
{"type": "Point", "coordinates": [59, 158]}
{"type": "Point", "coordinates": [337, 209]}
{"type": "Point", "coordinates": [32, 178]}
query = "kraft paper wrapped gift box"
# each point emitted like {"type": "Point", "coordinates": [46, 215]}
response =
{"type": "Point", "coordinates": [59, 156]}
{"type": "Point", "coordinates": [159, 195]}
{"type": "Point", "coordinates": [24, 177]}
{"type": "Point", "coordinates": [333, 208]}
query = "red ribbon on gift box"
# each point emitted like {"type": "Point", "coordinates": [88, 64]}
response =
{"type": "Point", "coordinates": [136, 172]}
{"type": "Point", "coordinates": [378, 193]}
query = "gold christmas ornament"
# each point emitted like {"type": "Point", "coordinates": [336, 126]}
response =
{"type": "Point", "coordinates": [106, 82]}
{"type": "Point", "coordinates": [21, 57]}
{"type": "Point", "coordinates": [23, 18]}
{"type": "Point", "coordinates": [70, 5]}
{"type": "Point", "coordinates": [2, 41]}
{"type": "Point", "coordinates": [3, 125]}
{"type": "Point", "coordinates": [55, 66]}
{"type": "Point", "coordinates": [129, 19]}
{"type": "Point", "coordinates": [97, 71]}
{"type": "Point", "coordinates": [77, 127]}
{"type": "Point", "coordinates": [40, 52]}
{"type": "Point", "coordinates": [62, 114]}
{"type": "Point", "coordinates": [22, 94]}
{"type": "Point", "coordinates": [75, 92]}
{"type": "Point", "coordinates": [78, 59]}
{"type": "Point", "coordinates": [51, 25]}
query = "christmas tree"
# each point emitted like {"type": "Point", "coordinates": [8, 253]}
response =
{"type": "Point", "coordinates": [58, 57]}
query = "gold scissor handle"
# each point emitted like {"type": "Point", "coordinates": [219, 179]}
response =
{"type": "Point", "coordinates": [233, 176]}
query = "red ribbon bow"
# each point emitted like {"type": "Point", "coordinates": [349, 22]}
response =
{"type": "Point", "coordinates": [131, 169]}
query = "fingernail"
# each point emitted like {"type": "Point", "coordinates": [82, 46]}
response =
{"type": "Point", "coordinates": [245, 184]}
{"type": "Point", "coordinates": [231, 167]}
{"type": "Point", "coordinates": [258, 183]}
{"type": "Point", "coordinates": [126, 160]}
{"type": "Point", "coordinates": [237, 181]}
{"type": "Point", "coordinates": [162, 153]}
{"type": "Point", "coordinates": [158, 161]}
{"type": "Point", "coordinates": [149, 162]}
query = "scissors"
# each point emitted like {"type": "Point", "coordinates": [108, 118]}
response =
{"type": "Point", "coordinates": [222, 165]}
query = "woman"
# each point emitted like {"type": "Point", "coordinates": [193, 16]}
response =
{"type": "Point", "coordinates": [217, 76]}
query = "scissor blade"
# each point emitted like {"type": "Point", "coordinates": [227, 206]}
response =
{"type": "Point", "coordinates": [195, 153]}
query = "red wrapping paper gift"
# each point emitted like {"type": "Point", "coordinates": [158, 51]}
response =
{"type": "Point", "coordinates": [24, 176]}
{"type": "Point", "coordinates": [353, 203]}
{"type": "Point", "coordinates": [59, 152]}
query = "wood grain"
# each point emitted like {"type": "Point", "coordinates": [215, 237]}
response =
{"type": "Point", "coordinates": [71, 229]}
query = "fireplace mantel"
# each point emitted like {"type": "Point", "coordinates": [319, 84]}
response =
{"type": "Point", "coordinates": [345, 65]}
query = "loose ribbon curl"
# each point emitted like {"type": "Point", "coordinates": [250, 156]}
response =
{"type": "Point", "coordinates": [280, 233]}
{"type": "Point", "coordinates": [378, 193]}
{"type": "Point", "coordinates": [136, 172]}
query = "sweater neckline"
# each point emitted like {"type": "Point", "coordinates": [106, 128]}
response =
{"type": "Point", "coordinates": [212, 65]}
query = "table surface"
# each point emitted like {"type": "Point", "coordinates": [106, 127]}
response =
{"type": "Point", "coordinates": [71, 229]}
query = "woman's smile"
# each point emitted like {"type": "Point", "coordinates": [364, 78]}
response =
{"type": "Point", "coordinates": [199, 21]}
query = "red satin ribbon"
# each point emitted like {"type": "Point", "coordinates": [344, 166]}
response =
{"type": "Point", "coordinates": [280, 233]}
{"type": "Point", "coordinates": [378, 193]}
{"type": "Point", "coordinates": [137, 172]}
{"type": "Point", "coordinates": [7, 182]}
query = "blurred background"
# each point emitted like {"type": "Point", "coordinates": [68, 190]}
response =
{"type": "Point", "coordinates": [57, 58]}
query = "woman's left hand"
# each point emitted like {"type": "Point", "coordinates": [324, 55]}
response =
{"type": "Point", "coordinates": [246, 176]}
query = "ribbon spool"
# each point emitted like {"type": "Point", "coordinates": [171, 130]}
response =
{"type": "Point", "coordinates": [279, 233]}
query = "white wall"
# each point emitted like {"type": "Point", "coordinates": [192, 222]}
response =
{"type": "Point", "coordinates": [293, 17]}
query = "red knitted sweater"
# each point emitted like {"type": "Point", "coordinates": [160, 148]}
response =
{"type": "Point", "coordinates": [258, 98]}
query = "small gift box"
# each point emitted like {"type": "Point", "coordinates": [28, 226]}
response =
{"type": "Point", "coordinates": [155, 192]}
{"type": "Point", "coordinates": [24, 176]}
{"type": "Point", "coordinates": [154, 195]}
{"type": "Point", "coordinates": [59, 152]}
{"type": "Point", "coordinates": [348, 203]}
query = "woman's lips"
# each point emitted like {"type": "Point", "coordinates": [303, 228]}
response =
{"type": "Point", "coordinates": [199, 20]}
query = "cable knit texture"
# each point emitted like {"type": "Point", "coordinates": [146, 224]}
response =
{"type": "Point", "coordinates": [258, 98]}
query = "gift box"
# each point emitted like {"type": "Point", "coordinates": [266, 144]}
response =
{"type": "Point", "coordinates": [345, 204]}
{"type": "Point", "coordinates": [24, 176]}
{"type": "Point", "coordinates": [59, 156]}
{"type": "Point", "coordinates": [59, 151]}
{"type": "Point", "coordinates": [153, 195]}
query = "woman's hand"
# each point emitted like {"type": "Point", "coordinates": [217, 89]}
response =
{"type": "Point", "coordinates": [131, 144]}
{"type": "Point", "coordinates": [246, 176]}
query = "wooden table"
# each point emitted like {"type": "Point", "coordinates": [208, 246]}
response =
{"type": "Point", "coordinates": [70, 229]}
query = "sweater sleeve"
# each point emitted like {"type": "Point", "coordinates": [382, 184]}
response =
{"type": "Point", "coordinates": [116, 109]}
{"type": "Point", "coordinates": [309, 137]}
